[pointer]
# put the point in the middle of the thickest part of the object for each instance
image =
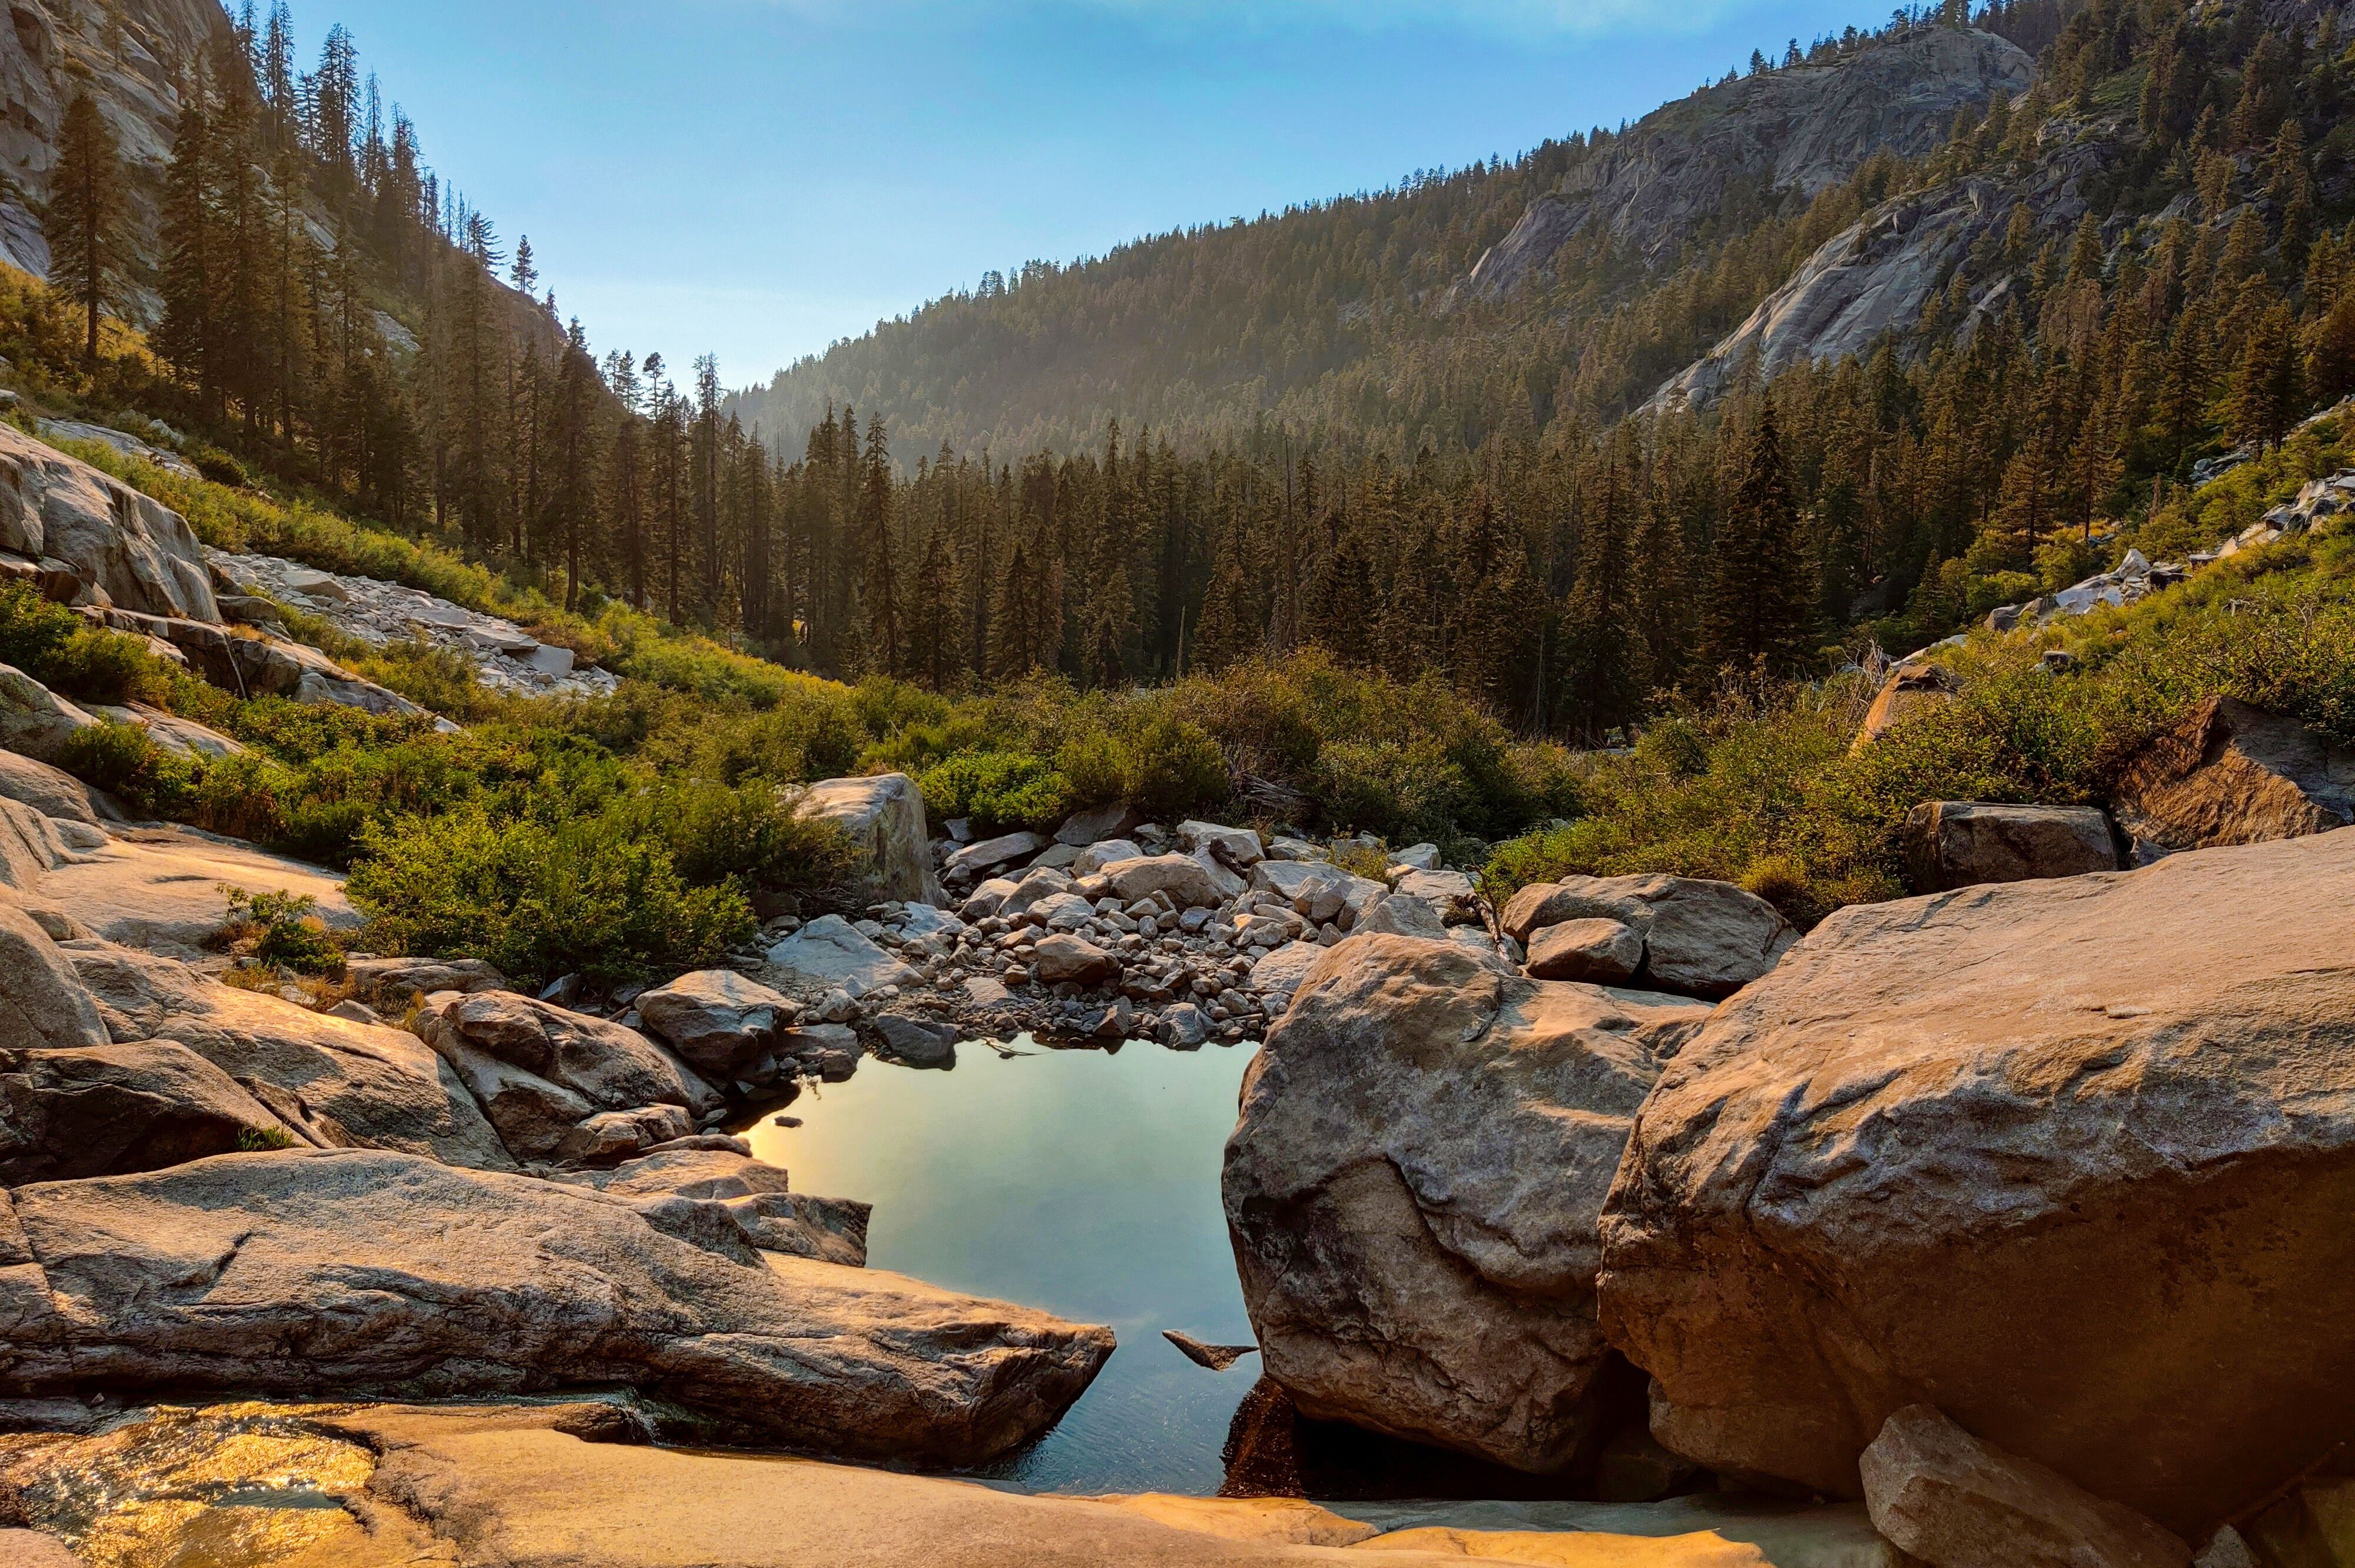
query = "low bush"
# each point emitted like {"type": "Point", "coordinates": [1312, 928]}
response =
{"type": "Point", "coordinates": [1000, 791]}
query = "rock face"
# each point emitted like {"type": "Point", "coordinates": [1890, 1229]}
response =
{"type": "Point", "coordinates": [885, 818]}
{"type": "Point", "coordinates": [1787, 131]}
{"type": "Point", "coordinates": [1955, 843]}
{"type": "Point", "coordinates": [139, 552]}
{"type": "Point", "coordinates": [337, 1081]}
{"type": "Point", "coordinates": [378, 1271]}
{"type": "Point", "coordinates": [105, 1110]}
{"type": "Point", "coordinates": [1701, 939]}
{"type": "Point", "coordinates": [2137, 1091]}
{"type": "Point", "coordinates": [1911, 687]}
{"type": "Point", "coordinates": [1951, 1501]}
{"type": "Point", "coordinates": [1413, 1186]}
{"type": "Point", "coordinates": [2233, 774]}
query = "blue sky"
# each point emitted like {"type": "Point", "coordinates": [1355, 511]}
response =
{"type": "Point", "coordinates": [758, 177]}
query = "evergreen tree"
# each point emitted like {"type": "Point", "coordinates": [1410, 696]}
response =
{"type": "Point", "coordinates": [84, 217]}
{"type": "Point", "coordinates": [1757, 612]}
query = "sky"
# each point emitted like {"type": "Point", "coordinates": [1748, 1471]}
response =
{"type": "Point", "coordinates": [757, 178]}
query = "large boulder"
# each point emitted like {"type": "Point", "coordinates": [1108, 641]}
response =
{"type": "Point", "coordinates": [142, 553]}
{"type": "Point", "coordinates": [2071, 1159]}
{"type": "Point", "coordinates": [610, 1067]}
{"type": "Point", "coordinates": [1319, 892]}
{"type": "Point", "coordinates": [43, 1002]}
{"type": "Point", "coordinates": [1946, 1497]}
{"type": "Point", "coordinates": [830, 953]}
{"type": "Point", "coordinates": [1188, 883]}
{"type": "Point", "coordinates": [1413, 1187]}
{"type": "Point", "coordinates": [397, 982]}
{"type": "Point", "coordinates": [337, 1081]}
{"type": "Point", "coordinates": [884, 817]}
{"type": "Point", "coordinates": [106, 1110]}
{"type": "Point", "coordinates": [1595, 952]}
{"type": "Point", "coordinates": [373, 1272]}
{"type": "Point", "coordinates": [1065, 960]}
{"type": "Point", "coordinates": [719, 1021]}
{"type": "Point", "coordinates": [1701, 939]}
{"type": "Point", "coordinates": [52, 791]}
{"type": "Point", "coordinates": [1910, 688]}
{"type": "Point", "coordinates": [1959, 843]}
{"type": "Point", "coordinates": [2233, 774]}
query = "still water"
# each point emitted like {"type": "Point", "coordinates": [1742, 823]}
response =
{"type": "Point", "coordinates": [1084, 1182]}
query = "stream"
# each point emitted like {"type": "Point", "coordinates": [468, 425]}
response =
{"type": "Point", "coordinates": [1081, 1181]}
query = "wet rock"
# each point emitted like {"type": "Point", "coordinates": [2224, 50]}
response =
{"type": "Point", "coordinates": [1955, 1502]}
{"type": "Point", "coordinates": [1953, 843]}
{"type": "Point", "coordinates": [829, 953]}
{"type": "Point", "coordinates": [884, 817]}
{"type": "Point", "coordinates": [1402, 1267]}
{"type": "Point", "coordinates": [2134, 1090]}
{"type": "Point", "coordinates": [1701, 939]}
{"type": "Point", "coordinates": [2233, 774]}
{"type": "Point", "coordinates": [916, 1041]}
{"type": "Point", "coordinates": [717, 1020]}
{"type": "Point", "coordinates": [1211, 1358]}
{"type": "Point", "coordinates": [338, 1082]}
{"type": "Point", "coordinates": [106, 1110]}
{"type": "Point", "coordinates": [254, 1272]}
{"type": "Point", "coordinates": [1598, 952]}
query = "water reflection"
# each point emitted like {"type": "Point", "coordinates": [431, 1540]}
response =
{"type": "Point", "coordinates": [1085, 1183]}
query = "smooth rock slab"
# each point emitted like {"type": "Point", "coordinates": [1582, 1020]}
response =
{"type": "Point", "coordinates": [2074, 1158]}
{"type": "Point", "coordinates": [42, 1000]}
{"type": "Point", "coordinates": [1413, 1187]}
{"type": "Point", "coordinates": [346, 1272]}
{"type": "Point", "coordinates": [1955, 1502]}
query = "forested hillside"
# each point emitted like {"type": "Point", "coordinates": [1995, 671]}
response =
{"type": "Point", "coordinates": [1941, 370]}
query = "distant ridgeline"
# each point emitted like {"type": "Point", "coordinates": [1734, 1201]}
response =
{"type": "Point", "coordinates": [1865, 340]}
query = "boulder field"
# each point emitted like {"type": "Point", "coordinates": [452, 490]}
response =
{"type": "Point", "coordinates": [2015, 1211]}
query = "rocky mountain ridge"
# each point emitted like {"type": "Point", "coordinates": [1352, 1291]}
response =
{"type": "Point", "coordinates": [1789, 133]}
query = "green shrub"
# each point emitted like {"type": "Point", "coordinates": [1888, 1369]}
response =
{"type": "Point", "coordinates": [263, 1140]}
{"type": "Point", "coordinates": [538, 899]}
{"type": "Point", "coordinates": [754, 832]}
{"type": "Point", "coordinates": [125, 760]}
{"type": "Point", "coordinates": [286, 929]}
{"type": "Point", "coordinates": [1001, 791]}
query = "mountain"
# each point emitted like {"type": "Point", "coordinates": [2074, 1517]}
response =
{"type": "Point", "coordinates": [1431, 314]}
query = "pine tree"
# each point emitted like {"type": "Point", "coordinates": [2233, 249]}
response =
{"type": "Point", "coordinates": [84, 217]}
{"type": "Point", "coordinates": [1756, 613]}
{"type": "Point", "coordinates": [2266, 387]}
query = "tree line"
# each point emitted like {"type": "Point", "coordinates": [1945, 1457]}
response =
{"type": "Point", "coordinates": [329, 303]}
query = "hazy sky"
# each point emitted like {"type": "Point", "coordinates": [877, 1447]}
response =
{"type": "Point", "coordinates": [758, 177]}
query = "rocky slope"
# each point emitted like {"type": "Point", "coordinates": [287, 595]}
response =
{"type": "Point", "coordinates": [1786, 132]}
